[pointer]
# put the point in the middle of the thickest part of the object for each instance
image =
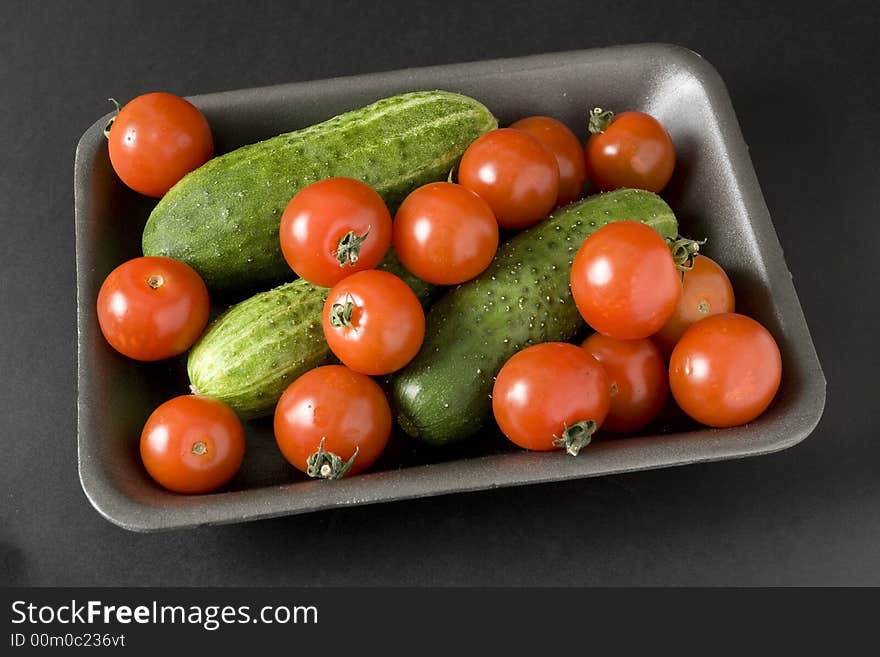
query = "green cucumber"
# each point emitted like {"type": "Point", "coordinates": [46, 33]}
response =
{"type": "Point", "coordinates": [523, 298]}
{"type": "Point", "coordinates": [252, 352]}
{"type": "Point", "coordinates": [223, 218]}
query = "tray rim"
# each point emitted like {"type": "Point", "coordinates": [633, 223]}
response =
{"type": "Point", "coordinates": [705, 445]}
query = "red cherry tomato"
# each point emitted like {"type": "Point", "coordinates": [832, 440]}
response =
{"type": "Point", "coordinates": [153, 307]}
{"type": "Point", "coordinates": [567, 150]}
{"type": "Point", "coordinates": [332, 421]}
{"type": "Point", "coordinates": [334, 228]}
{"type": "Point", "coordinates": [373, 322]}
{"type": "Point", "coordinates": [445, 234]}
{"type": "Point", "coordinates": [706, 290]}
{"type": "Point", "coordinates": [155, 140]}
{"type": "Point", "coordinates": [631, 149]}
{"type": "Point", "coordinates": [514, 173]}
{"type": "Point", "coordinates": [638, 380]}
{"type": "Point", "coordinates": [551, 395]}
{"type": "Point", "coordinates": [192, 444]}
{"type": "Point", "coordinates": [624, 280]}
{"type": "Point", "coordinates": [725, 370]}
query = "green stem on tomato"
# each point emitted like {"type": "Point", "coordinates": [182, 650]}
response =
{"type": "Point", "coordinates": [684, 250]}
{"type": "Point", "coordinates": [327, 465]}
{"type": "Point", "coordinates": [576, 437]}
{"type": "Point", "coordinates": [112, 119]}
{"type": "Point", "coordinates": [340, 314]}
{"type": "Point", "coordinates": [349, 248]}
{"type": "Point", "coordinates": [600, 120]}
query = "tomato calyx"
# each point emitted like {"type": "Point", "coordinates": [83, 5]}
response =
{"type": "Point", "coordinates": [684, 251]}
{"type": "Point", "coordinates": [155, 281]}
{"type": "Point", "coordinates": [112, 118]}
{"type": "Point", "coordinates": [199, 448]}
{"type": "Point", "coordinates": [599, 120]}
{"type": "Point", "coordinates": [576, 436]}
{"type": "Point", "coordinates": [340, 315]}
{"type": "Point", "coordinates": [327, 465]}
{"type": "Point", "coordinates": [349, 248]}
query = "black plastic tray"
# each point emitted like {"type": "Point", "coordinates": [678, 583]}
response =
{"type": "Point", "coordinates": [714, 193]}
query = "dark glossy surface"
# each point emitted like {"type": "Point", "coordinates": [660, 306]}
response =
{"type": "Point", "coordinates": [715, 179]}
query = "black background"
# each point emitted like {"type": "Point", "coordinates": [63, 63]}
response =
{"type": "Point", "coordinates": [804, 85]}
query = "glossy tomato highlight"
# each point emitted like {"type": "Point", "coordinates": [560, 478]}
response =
{"type": "Point", "coordinates": [155, 140]}
{"type": "Point", "coordinates": [638, 380]}
{"type": "Point", "coordinates": [332, 421]}
{"type": "Point", "coordinates": [153, 307]}
{"type": "Point", "coordinates": [445, 234]}
{"type": "Point", "coordinates": [514, 173]}
{"type": "Point", "coordinates": [552, 395]}
{"type": "Point", "coordinates": [567, 150]}
{"type": "Point", "coordinates": [334, 228]}
{"type": "Point", "coordinates": [624, 280]}
{"type": "Point", "coordinates": [725, 370]}
{"type": "Point", "coordinates": [630, 149]}
{"type": "Point", "coordinates": [192, 444]}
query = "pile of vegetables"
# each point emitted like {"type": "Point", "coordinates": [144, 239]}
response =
{"type": "Point", "coordinates": [394, 295]}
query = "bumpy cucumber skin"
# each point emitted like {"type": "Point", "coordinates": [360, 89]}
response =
{"type": "Point", "coordinates": [523, 298]}
{"type": "Point", "coordinates": [223, 218]}
{"type": "Point", "coordinates": [258, 347]}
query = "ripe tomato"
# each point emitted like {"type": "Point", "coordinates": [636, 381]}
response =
{"type": "Point", "coordinates": [155, 140]}
{"type": "Point", "coordinates": [551, 395]}
{"type": "Point", "coordinates": [515, 174]}
{"type": "Point", "coordinates": [445, 234]}
{"type": "Point", "coordinates": [567, 150]}
{"type": "Point", "coordinates": [152, 307]}
{"type": "Point", "coordinates": [624, 280]}
{"type": "Point", "coordinates": [706, 290]}
{"type": "Point", "coordinates": [630, 149]}
{"type": "Point", "coordinates": [638, 380]}
{"type": "Point", "coordinates": [332, 421]}
{"type": "Point", "coordinates": [373, 322]}
{"type": "Point", "coordinates": [334, 228]}
{"type": "Point", "coordinates": [725, 370]}
{"type": "Point", "coordinates": [192, 444]}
